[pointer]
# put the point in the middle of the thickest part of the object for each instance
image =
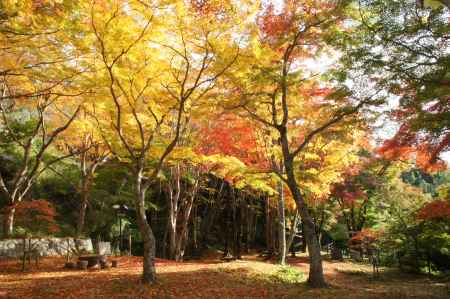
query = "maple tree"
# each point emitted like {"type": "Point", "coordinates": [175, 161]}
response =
{"type": "Point", "coordinates": [83, 142]}
{"type": "Point", "coordinates": [276, 81]}
{"type": "Point", "coordinates": [218, 124]}
{"type": "Point", "coordinates": [35, 84]}
{"type": "Point", "coordinates": [154, 78]}
{"type": "Point", "coordinates": [36, 217]}
{"type": "Point", "coordinates": [405, 53]}
{"type": "Point", "coordinates": [355, 195]}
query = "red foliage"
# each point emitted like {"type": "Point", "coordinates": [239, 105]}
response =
{"type": "Point", "coordinates": [348, 192]}
{"type": "Point", "coordinates": [366, 235]}
{"type": "Point", "coordinates": [208, 8]}
{"type": "Point", "coordinates": [36, 216]}
{"type": "Point", "coordinates": [438, 209]}
{"type": "Point", "coordinates": [232, 136]}
{"type": "Point", "coordinates": [274, 25]}
{"type": "Point", "coordinates": [407, 143]}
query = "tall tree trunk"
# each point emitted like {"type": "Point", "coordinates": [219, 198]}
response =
{"type": "Point", "coordinates": [82, 216]}
{"type": "Point", "coordinates": [237, 224]}
{"type": "Point", "coordinates": [282, 228]}
{"type": "Point", "coordinates": [149, 271]}
{"type": "Point", "coordinates": [293, 232]}
{"type": "Point", "coordinates": [172, 236]}
{"type": "Point", "coordinates": [164, 240]}
{"type": "Point", "coordinates": [316, 278]}
{"type": "Point", "coordinates": [83, 207]}
{"type": "Point", "coordinates": [303, 247]}
{"type": "Point", "coordinates": [182, 237]}
{"type": "Point", "coordinates": [195, 231]}
{"type": "Point", "coordinates": [269, 239]}
{"type": "Point", "coordinates": [8, 222]}
{"type": "Point", "coordinates": [174, 185]}
{"type": "Point", "coordinates": [245, 224]}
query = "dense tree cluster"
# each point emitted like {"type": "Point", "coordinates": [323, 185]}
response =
{"type": "Point", "coordinates": [216, 125]}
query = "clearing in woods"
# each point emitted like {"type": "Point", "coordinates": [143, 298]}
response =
{"type": "Point", "coordinates": [210, 278]}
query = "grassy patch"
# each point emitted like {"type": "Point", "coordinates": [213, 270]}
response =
{"type": "Point", "coordinates": [288, 275]}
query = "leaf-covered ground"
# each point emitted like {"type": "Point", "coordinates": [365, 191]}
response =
{"type": "Point", "coordinates": [250, 278]}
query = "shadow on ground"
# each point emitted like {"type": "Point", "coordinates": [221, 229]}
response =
{"type": "Point", "coordinates": [247, 279]}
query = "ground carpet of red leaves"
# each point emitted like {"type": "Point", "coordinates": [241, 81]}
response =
{"type": "Point", "coordinates": [249, 278]}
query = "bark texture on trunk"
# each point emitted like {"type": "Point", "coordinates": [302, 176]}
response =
{"type": "Point", "coordinates": [8, 222]}
{"type": "Point", "coordinates": [269, 236]}
{"type": "Point", "coordinates": [148, 238]}
{"type": "Point", "coordinates": [183, 235]}
{"type": "Point", "coordinates": [292, 233]}
{"type": "Point", "coordinates": [282, 227]}
{"type": "Point", "coordinates": [174, 188]}
{"type": "Point", "coordinates": [82, 212]}
{"type": "Point", "coordinates": [316, 278]}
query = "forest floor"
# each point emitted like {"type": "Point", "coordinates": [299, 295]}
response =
{"type": "Point", "coordinates": [211, 278]}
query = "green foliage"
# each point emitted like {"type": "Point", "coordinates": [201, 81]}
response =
{"type": "Point", "coordinates": [408, 241]}
{"type": "Point", "coordinates": [288, 274]}
{"type": "Point", "coordinates": [339, 234]}
{"type": "Point", "coordinates": [429, 183]}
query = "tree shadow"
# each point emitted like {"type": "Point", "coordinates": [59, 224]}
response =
{"type": "Point", "coordinates": [387, 283]}
{"type": "Point", "coordinates": [191, 280]}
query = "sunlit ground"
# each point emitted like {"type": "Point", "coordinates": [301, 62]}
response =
{"type": "Point", "coordinates": [250, 278]}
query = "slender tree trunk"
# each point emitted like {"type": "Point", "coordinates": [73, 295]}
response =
{"type": "Point", "coordinates": [195, 231]}
{"type": "Point", "coordinates": [182, 238]}
{"type": "Point", "coordinates": [8, 222]}
{"type": "Point", "coordinates": [316, 278]}
{"type": "Point", "coordinates": [269, 239]}
{"type": "Point", "coordinates": [81, 217]}
{"type": "Point", "coordinates": [174, 196]}
{"type": "Point", "coordinates": [237, 233]}
{"type": "Point", "coordinates": [282, 227]}
{"type": "Point", "coordinates": [303, 247]}
{"type": "Point", "coordinates": [172, 236]}
{"type": "Point", "coordinates": [164, 240]}
{"type": "Point", "coordinates": [149, 271]}
{"type": "Point", "coordinates": [245, 225]}
{"type": "Point", "coordinates": [293, 232]}
{"type": "Point", "coordinates": [83, 207]}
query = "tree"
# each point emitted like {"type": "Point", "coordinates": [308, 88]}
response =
{"type": "Point", "coordinates": [157, 63]}
{"type": "Point", "coordinates": [356, 195]}
{"type": "Point", "coordinates": [34, 84]}
{"type": "Point", "coordinates": [402, 47]}
{"type": "Point", "coordinates": [36, 217]}
{"type": "Point", "coordinates": [83, 142]}
{"type": "Point", "coordinates": [283, 95]}
{"type": "Point", "coordinates": [33, 141]}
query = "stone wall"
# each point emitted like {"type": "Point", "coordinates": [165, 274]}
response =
{"type": "Point", "coordinates": [104, 248]}
{"type": "Point", "coordinates": [13, 248]}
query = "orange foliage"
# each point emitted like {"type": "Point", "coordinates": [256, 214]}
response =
{"type": "Point", "coordinates": [406, 143]}
{"type": "Point", "coordinates": [274, 25]}
{"type": "Point", "coordinates": [366, 236]}
{"type": "Point", "coordinates": [438, 209]}
{"type": "Point", "coordinates": [232, 136]}
{"type": "Point", "coordinates": [207, 8]}
{"type": "Point", "coordinates": [36, 216]}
